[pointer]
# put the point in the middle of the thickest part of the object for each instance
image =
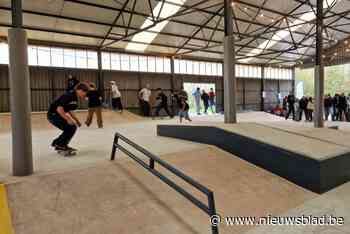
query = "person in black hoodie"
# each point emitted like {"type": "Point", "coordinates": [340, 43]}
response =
{"type": "Point", "coordinates": [95, 106]}
{"type": "Point", "coordinates": [60, 114]}
{"type": "Point", "coordinates": [303, 108]}
{"type": "Point", "coordinates": [327, 106]}
{"type": "Point", "coordinates": [205, 99]}
{"type": "Point", "coordinates": [162, 103]}
{"type": "Point", "coordinates": [343, 105]}
{"type": "Point", "coordinates": [335, 105]}
{"type": "Point", "coordinates": [291, 102]}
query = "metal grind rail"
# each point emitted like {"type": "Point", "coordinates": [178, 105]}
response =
{"type": "Point", "coordinates": [208, 208]}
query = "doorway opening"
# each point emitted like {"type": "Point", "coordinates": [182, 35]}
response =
{"type": "Point", "coordinates": [190, 88]}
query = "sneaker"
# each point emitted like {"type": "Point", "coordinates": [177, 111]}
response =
{"type": "Point", "coordinates": [61, 148]}
{"type": "Point", "coordinates": [70, 148]}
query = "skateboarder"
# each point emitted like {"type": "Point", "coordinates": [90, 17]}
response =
{"type": "Point", "coordinates": [183, 112]}
{"type": "Point", "coordinates": [61, 116]}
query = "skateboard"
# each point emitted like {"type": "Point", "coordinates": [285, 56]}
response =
{"type": "Point", "coordinates": [67, 153]}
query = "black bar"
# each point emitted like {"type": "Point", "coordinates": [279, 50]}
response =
{"type": "Point", "coordinates": [208, 209]}
{"type": "Point", "coordinates": [212, 211]}
{"type": "Point", "coordinates": [114, 147]}
{"type": "Point", "coordinates": [151, 163]}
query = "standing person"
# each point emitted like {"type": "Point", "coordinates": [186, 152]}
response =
{"type": "Point", "coordinates": [116, 97]}
{"type": "Point", "coordinates": [61, 115]}
{"type": "Point", "coordinates": [291, 102]}
{"type": "Point", "coordinates": [310, 108]}
{"type": "Point", "coordinates": [144, 96]}
{"type": "Point", "coordinates": [335, 104]}
{"type": "Point", "coordinates": [205, 98]}
{"type": "Point", "coordinates": [343, 105]}
{"type": "Point", "coordinates": [95, 106]}
{"type": "Point", "coordinates": [174, 100]}
{"type": "Point", "coordinates": [303, 108]}
{"type": "Point", "coordinates": [212, 99]}
{"type": "Point", "coordinates": [162, 103]}
{"type": "Point", "coordinates": [72, 82]}
{"type": "Point", "coordinates": [183, 94]}
{"type": "Point", "coordinates": [327, 106]}
{"type": "Point", "coordinates": [197, 99]}
{"type": "Point", "coordinates": [348, 109]}
{"type": "Point", "coordinates": [184, 108]}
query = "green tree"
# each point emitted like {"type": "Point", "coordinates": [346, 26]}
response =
{"type": "Point", "coordinates": [337, 79]}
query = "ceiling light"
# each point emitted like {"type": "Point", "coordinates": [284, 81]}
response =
{"type": "Point", "coordinates": [164, 10]}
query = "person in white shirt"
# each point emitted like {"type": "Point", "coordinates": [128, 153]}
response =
{"type": "Point", "coordinates": [116, 97]}
{"type": "Point", "coordinates": [145, 95]}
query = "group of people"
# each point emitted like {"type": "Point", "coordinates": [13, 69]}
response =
{"type": "Point", "coordinates": [336, 107]}
{"type": "Point", "coordinates": [60, 113]}
{"type": "Point", "coordinates": [207, 98]}
{"type": "Point", "coordinates": [178, 103]}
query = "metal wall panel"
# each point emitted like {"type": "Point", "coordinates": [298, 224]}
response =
{"type": "Point", "coordinates": [47, 83]}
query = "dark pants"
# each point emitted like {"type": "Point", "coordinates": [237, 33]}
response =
{"type": "Point", "coordinates": [301, 114]}
{"type": "Point", "coordinates": [291, 109]}
{"type": "Point", "coordinates": [68, 130]}
{"type": "Point", "coordinates": [206, 106]}
{"type": "Point", "coordinates": [335, 114]}
{"type": "Point", "coordinates": [342, 112]}
{"type": "Point", "coordinates": [165, 107]}
{"type": "Point", "coordinates": [146, 108]}
{"type": "Point", "coordinates": [309, 114]}
{"type": "Point", "coordinates": [117, 104]}
{"type": "Point", "coordinates": [327, 111]}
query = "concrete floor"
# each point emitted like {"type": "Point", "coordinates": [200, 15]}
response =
{"type": "Point", "coordinates": [89, 194]}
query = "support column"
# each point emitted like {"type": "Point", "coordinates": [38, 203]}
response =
{"type": "Point", "coordinates": [293, 80]}
{"type": "Point", "coordinates": [319, 68]}
{"type": "Point", "coordinates": [244, 94]}
{"type": "Point", "coordinates": [22, 158]}
{"type": "Point", "coordinates": [100, 80]}
{"type": "Point", "coordinates": [230, 86]}
{"type": "Point", "coordinates": [172, 73]}
{"type": "Point", "coordinates": [278, 91]}
{"type": "Point", "coordinates": [262, 93]}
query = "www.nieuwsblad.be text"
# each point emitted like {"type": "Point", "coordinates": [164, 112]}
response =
{"type": "Point", "coordinates": [304, 220]}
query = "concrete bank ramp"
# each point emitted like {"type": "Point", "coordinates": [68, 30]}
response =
{"type": "Point", "coordinates": [106, 199]}
{"type": "Point", "coordinates": [122, 198]}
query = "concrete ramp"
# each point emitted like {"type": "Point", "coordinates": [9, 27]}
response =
{"type": "Point", "coordinates": [121, 197]}
{"type": "Point", "coordinates": [105, 199]}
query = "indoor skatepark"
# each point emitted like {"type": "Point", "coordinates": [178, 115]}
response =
{"type": "Point", "coordinates": [226, 65]}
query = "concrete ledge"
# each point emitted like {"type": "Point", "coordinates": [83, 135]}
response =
{"type": "Point", "coordinates": [315, 174]}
